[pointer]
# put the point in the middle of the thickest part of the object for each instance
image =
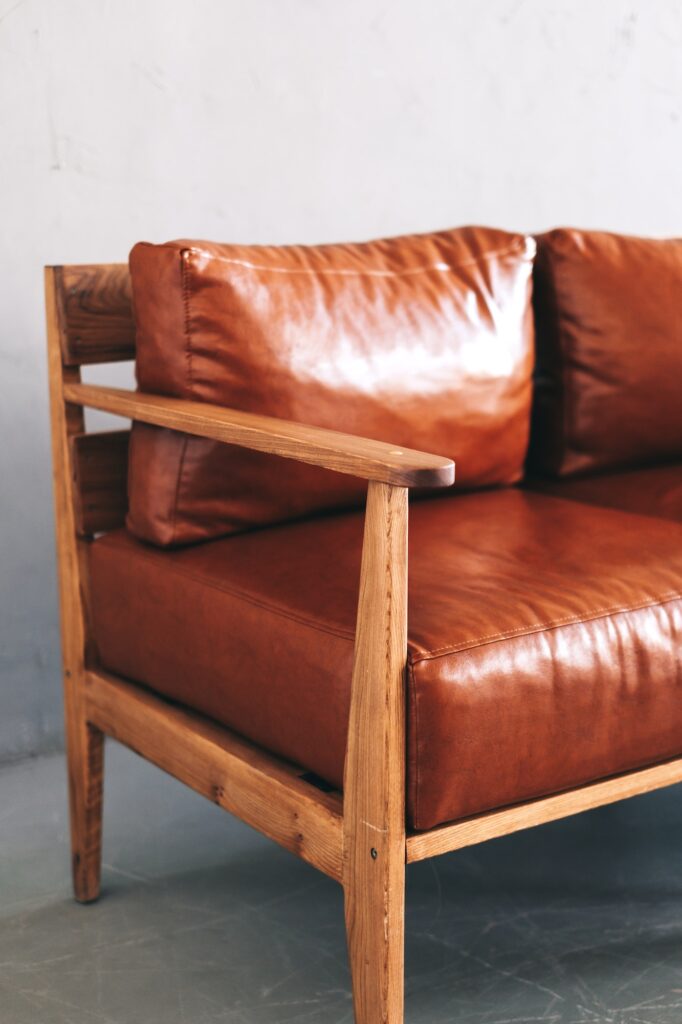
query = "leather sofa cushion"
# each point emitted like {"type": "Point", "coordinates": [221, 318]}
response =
{"type": "Point", "coordinates": [423, 341]}
{"type": "Point", "coordinates": [545, 641]}
{"type": "Point", "coordinates": [654, 491]}
{"type": "Point", "coordinates": [608, 314]}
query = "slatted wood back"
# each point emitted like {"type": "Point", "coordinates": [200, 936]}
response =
{"type": "Point", "coordinates": [94, 316]}
{"type": "Point", "coordinates": [96, 313]}
{"type": "Point", "coordinates": [100, 464]}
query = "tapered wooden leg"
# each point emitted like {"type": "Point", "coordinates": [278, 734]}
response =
{"type": "Point", "coordinates": [375, 924]}
{"type": "Point", "coordinates": [374, 780]}
{"type": "Point", "coordinates": [85, 756]}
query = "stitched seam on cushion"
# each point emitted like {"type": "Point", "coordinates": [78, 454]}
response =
{"type": "Point", "coordinates": [184, 277]}
{"type": "Point", "coordinates": [538, 627]}
{"type": "Point", "coordinates": [188, 356]}
{"type": "Point", "coordinates": [251, 599]}
{"type": "Point", "coordinates": [442, 265]}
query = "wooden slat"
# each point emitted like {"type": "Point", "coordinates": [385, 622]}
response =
{"type": "Point", "coordinates": [97, 314]}
{"type": "Point", "coordinates": [101, 472]}
{"type": "Point", "coordinates": [344, 453]}
{"type": "Point", "coordinates": [374, 776]}
{"type": "Point", "coordinates": [481, 827]}
{"type": "Point", "coordinates": [265, 792]}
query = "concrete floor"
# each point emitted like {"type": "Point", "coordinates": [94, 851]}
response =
{"type": "Point", "coordinates": [203, 921]}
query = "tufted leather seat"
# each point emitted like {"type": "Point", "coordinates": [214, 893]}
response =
{"type": "Point", "coordinates": [545, 641]}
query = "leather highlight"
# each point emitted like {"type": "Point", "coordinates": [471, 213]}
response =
{"type": "Point", "coordinates": [424, 341]}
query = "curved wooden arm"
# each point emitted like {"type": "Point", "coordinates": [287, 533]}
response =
{"type": "Point", "coordinates": [345, 453]}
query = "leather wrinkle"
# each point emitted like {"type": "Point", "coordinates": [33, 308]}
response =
{"type": "Point", "coordinates": [302, 350]}
{"type": "Point", "coordinates": [540, 627]}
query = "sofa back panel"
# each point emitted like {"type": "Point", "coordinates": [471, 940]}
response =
{"type": "Point", "coordinates": [608, 311]}
{"type": "Point", "coordinates": [424, 341]}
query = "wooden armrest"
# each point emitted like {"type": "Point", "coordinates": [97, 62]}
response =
{"type": "Point", "coordinates": [345, 453]}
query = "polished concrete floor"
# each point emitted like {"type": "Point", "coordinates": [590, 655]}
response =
{"type": "Point", "coordinates": [203, 921]}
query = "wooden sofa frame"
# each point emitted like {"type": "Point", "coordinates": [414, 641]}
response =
{"type": "Point", "coordinates": [359, 837]}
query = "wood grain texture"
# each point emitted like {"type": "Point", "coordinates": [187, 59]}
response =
{"type": "Point", "coordinates": [345, 453]}
{"type": "Point", "coordinates": [85, 743]}
{"type": "Point", "coordinates": [374, 777]}
{"type": "Point", "coordinates": [482, 827]}
{"type": "Point", "coordinates": [265, 792]}
{"type": "Point", "coordinates": [100, 464]}
{"type": "Point", "coordinates": [97, 323]}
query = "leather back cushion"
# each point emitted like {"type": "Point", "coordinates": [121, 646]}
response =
{"type": "Point", "coordinates": [608, 312]}
{"type": "Point", "coordinates": [423, 341]}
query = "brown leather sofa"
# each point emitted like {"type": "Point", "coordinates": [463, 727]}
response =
{"type": "Point", "coordinates": [532, 667]}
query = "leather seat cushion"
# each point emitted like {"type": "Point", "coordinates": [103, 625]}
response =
{"type": "Point", "coordinates": [423, 341]}
{"type": "Point", "coordinates": [654, 491]}
{"type": "Point", "coordinates": [545, 641]}
{"type": "Point", "coordinates": [608, 320]}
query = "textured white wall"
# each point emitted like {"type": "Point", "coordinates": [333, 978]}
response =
{"type": "Point", "coordinates": [291, 120]}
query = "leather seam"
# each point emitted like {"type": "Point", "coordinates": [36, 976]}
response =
{"type": "Point", "coordinates": [438, 265]}
{"type": "Point", "coordinates": [538, 627]}
{"type": "Point", "coordinates": [188, 357]}
{"type": "Point", "coordinates": [186, 319]}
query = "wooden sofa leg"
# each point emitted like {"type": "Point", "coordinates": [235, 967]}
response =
{"type": "Point", "coordinates": [374, 777]}
{"type": "Point", "coordinates": [85, 757]}
{"type": "Point", "coordinates": [375, 924]}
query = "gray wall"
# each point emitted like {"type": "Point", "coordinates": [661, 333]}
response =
{"type": "Point", "coordinates": [281, 121]}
